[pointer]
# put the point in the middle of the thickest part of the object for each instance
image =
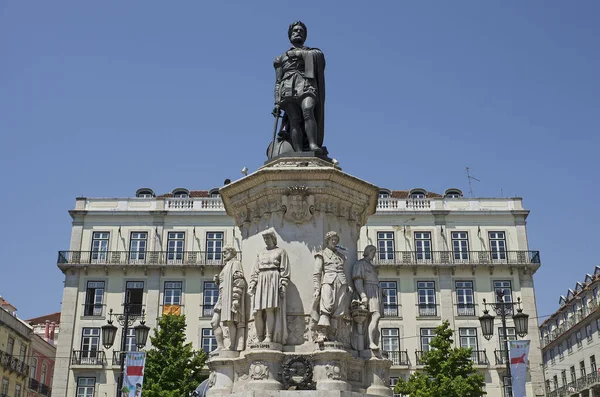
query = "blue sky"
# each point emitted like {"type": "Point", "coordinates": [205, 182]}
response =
{"type": "Point", "coordinates": [101, 98]}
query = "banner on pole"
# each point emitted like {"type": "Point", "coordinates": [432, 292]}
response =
{"type": "Point", "coordinates": [133, 378]}
{"type": "Point", "coordinates": [519, 358]}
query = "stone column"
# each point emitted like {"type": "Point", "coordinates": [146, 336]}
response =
{"type": "Point", "coordinates": [378, 377]}
{"type": "Point", "coordinates": [330, 369]}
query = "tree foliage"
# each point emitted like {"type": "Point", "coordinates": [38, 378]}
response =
{"type": "Point", "coordinates": [172, 366]}
{"type": "Point", "coordinates": [448, 371]}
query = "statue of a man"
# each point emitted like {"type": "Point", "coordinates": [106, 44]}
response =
{"type": "Point", "coordinates": [268, 283]}
{"type": "Point", "coordinates": [366, 285]}
{"type": "Point", "coordinates": [331, 291]}
{"type": "Point", "coordinates": [230, 307]}
{"type": "Point", "coordinates": [300, 93]}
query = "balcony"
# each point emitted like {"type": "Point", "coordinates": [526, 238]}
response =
{"type": "Point", "coordinates": [116, 358]}
{"type": "Point", "coordinates": [466, 309]}
{"type": "Point", "coordinates": [88, 358]}
{"type": "Point", "coordinates": [391, 310]}
{"type": "Point", "coordinates": [449, 258]}
{"type": "Point", "coordinates": [479, 357]}
{"type": "Point", "coordinates": [13, 364]}
{"type": "Point", "coordinates": [573, 320]}
{"type": "Point", "coordinates": [500, 357]}
{"type": "Point", "coordinates": [34, 384]}
{"type": "Point", "coordinates": [44, 390]}
{"type": "Point", "coordinates": [419, 356]}
{"type": "Point", "coordinates": [398, 357]}
{"type": "Point", "coordinates": [207, 310]}
{"type": "Point", "coordinates": [427, 310]}
{"type": "Point", "coordinates": [93, 310]}
{"type": "Point", "coordinates": [68, 259]}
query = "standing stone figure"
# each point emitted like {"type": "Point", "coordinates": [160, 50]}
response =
{"type": "Point", "coordinates": [366, 285]}
{"type": "Point", "coordinates": [230, 307]}
{"type": "Point", "coordinates": [268, 283]}
{"type": "Point", "coordinates": [300, 93]}
{"type": "Point", "coordinates": [331, 291]}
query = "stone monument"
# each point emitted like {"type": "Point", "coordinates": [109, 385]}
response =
{"type": "Point", "coordinates": [308, 317]}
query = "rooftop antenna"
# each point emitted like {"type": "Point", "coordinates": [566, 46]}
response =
{"type": "Point", "coordinates": [469, 177]}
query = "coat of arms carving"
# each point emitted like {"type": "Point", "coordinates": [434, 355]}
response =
{"type": "Point", "coordinates": [298, 204]}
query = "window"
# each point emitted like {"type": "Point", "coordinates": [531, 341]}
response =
{"type": "Point", "coordinates": [497, 245]}
{"type": "Point", "coordinates": [555, 381]}
{"type": "Point", "coordinates": [460, 245]}
{"type": "Point", "coordinates": [505, 286]}
{"type": "Point", "coordinates": [423, 245]}
{"type": "Point", "coordinates": [175, 241]}
{"type": "Point", "coordinates": [427, 335]}
{"type": "Point", "coordinates": [134, 296]}
{"type": "Point", "coordinates": [23, 352]}
{"type": "Point", "coordinates": [390, 340]}
{"type": "Point", "coordinates": [85, 387]}
{"type": "Point", "coordinates": [390, 298]}
{"type": "Point", "coordinates": [418, 194]}
{"type": "Point", "coordinates": [144, 193]}
{"type": "Point", "coordinates": [385, 246]}
{"type": "Point", "coordinates": [464, 298]}
{"type": "Point", "coordinates": [4, 386]}
{"type": "Point", "coordinates": [44, 373]}
{"type": "Point", "coordinates": [578, 338]}
{"type": "Point", "coordinates": [18, 390]}
{"type": "Point", "coordinates": [561, 352]}
{"type": "Point", "coordinates": [563, 377]}
{"type": "Point", "coordinates": [130, 342]}
{"type": "Point", "coordinates": [589, 333]}
{"type": "Point", "coordinates": [33, 368]}
{"type": "Point", "coordinates": [137, 247]}
{"type": "Point", "coordinates": [181, 193]}
{"type": "Point", "coordinates": [90, 342]}
{"type": "Point", "coordinates": [453, 193]}
{"type": "Point", "coordinates": [426, 293]}
{"type": "Point", "coordinates": [573, 374]}
{"type": "Point", "coordinates": [393, 383]}
{"type": "Point", "coordinates": [582, 369]}
{"type": "Point", "coordinates": [384, 195]}
{"type": "Point", "coordinates": [214, 246]}
{"type": "Point", "coordinates": [593, 366]}
{"type": "Point", "coordinates": [94, 297]}
{"type": "Point", "coordinates": [510, 332]}
{"type": "Point", "coordinates": [569, 345]}
{"type": "Point", "coordinates": [211, 294]}
{"type": "Point", "coordinates": [99, 246]}
{"type": "Point", "coordinates": [552, 357]}
{"type": "Point", "coordinates": [10, 346]}
{"type": "Point", "coordinates": [172, 294]}
{"type": "Point", "coordinates": [468, 339]}
{"type": "Point", "coordinates": [209, 343]}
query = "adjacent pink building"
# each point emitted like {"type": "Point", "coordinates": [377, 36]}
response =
{"type": "Point", "coordinates": [43, 354]}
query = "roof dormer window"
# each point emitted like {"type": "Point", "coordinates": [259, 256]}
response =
{"type": "Point", "coordinates": [181, 193]}
{"type": "Point", "coordinates": [384, 194]}
{"type": "Point", "coordinates": [453, 193]}
{"type": "Point", "coordinates": [214, 193]}
{"type": "Point", "coordinates": [145, 193]}
{"type": "Point", "coordinates": [418, 194]}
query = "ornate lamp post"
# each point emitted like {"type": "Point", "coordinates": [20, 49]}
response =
{"type": "Point", "coordinates": [126, 320]}
{"type": "Point", "coordinates": [502, 309]}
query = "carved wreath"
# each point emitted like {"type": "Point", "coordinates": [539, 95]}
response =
{"type": "Point", "coordinates": [297, 373]}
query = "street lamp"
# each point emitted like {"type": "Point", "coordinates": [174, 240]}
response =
{"type": "Point", "coordinates": [502, 309]}
{"type": "Point", "coordinates": [126, 320]}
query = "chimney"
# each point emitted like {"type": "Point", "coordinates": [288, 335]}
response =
{"type": "Point", "coordinates": [52, 326]}
{"type": "Point", "coordinates": [47, 330]}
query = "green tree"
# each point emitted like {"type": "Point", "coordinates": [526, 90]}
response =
{"type": "Point", "coordinates": [448, 371]}
{"type": "Point", "coordinates": [172, 366]}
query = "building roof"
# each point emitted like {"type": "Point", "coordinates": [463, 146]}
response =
{"type": "Point", "coordinates": [53, 317]}
{"type": "Point", "coordinates": [394, 194]}
{"type": "Point", "coordinates": [6, 305]}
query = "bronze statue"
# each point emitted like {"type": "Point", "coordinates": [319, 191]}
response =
{"type": "Point", "coordinates": [300, 93]}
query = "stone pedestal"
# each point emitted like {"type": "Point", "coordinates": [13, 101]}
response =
{"type": "Point", "coordinates": [331, 369]}
{"type": "Point", "coordinates": [222, 373]}
{"type": "Point", "coordinates": [378, 377]}
{"type": "Point", "coordinates": [301, 199]}
{"type": "Point", "coordinates": [265, 370]}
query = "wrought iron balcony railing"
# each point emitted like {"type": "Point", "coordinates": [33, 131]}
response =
{"type": "Point", "coordinates": [398, 357]}
{"type": "Point", "coordinates": [181, 258]}
{"type": "Point", "coordinates": [572, 321]}
{"type": "Point", "coordinates": [14, 364]}
{"type": "Point", "coordinates": [500, 357]}
{"type": "Point", "coordinates": [93, 309]}
{"type": "Point", "coordinates": [451, 258]}
{"type": "Point", "coordinates": [116, 358]}
{"type": "Point", "coordinates": [419, 356]}
{"type": "Point", "coordinates": [45, 390]}
{"type": "Point", "coordinates": [88, 357]}
{"type": "Point", "coordinates": [479, 357]}
{"type": "Point", "coordinates": [427, 309]}
{"type": "Point", "coordinates": [34, 384]}
{"type": "Point", "coordinates": [466, 309]}
{"type": "Point", "coordinates": [391, 310]}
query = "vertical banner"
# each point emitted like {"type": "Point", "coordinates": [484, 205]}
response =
{"type": "Point", "coordinates": [518, 353]}
{"type": "Point", "coordinates": [133, 378]}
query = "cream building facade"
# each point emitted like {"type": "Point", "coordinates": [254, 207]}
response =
{"type": "Point", "coordinates": [571, 341]}
{"type": "Point", "coordinates": [438, 257]}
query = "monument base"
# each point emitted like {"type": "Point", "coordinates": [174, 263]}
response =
{"type": "Point", "coordinates": [300, 393]}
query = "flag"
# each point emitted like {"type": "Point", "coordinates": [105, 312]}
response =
{"type": "Point", "coordinates": [133, 378]}
{"type": "Point", "coordinates": [172, 309]}
{"type": "Point", "coordinates": [518, 354]}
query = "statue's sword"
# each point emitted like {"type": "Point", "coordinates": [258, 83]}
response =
{"type": "Point", "coordinates": [277, 114]}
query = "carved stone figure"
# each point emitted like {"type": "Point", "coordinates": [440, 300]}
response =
{"type": "Point", "coordinates": [229, 310]}
{"type": "Point", "coordinates": [268, 284]}
{"type": "Point", "coordinates": [331, 291]}
{"type": "Point", "coordinates": [366, 285]}
{"type": "Point", "coordinates": [300, 93]}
